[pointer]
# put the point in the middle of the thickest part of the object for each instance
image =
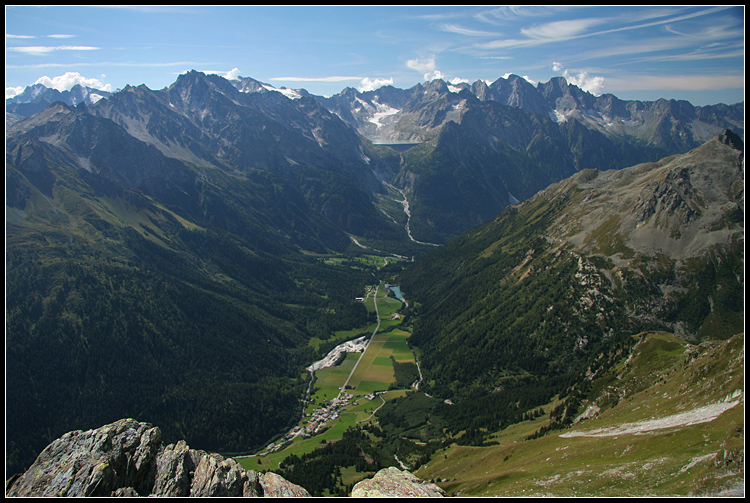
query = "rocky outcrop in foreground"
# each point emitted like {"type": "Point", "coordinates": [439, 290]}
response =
{"type": "Point", "coordinates": [127, 458]}
{"type": "Point", "coordinates": [393, 483]}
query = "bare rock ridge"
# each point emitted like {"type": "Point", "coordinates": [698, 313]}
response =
{"type": "Point", "coordinates": [393, 483]}
{"type": "Point", "coordinates": [127, 458]}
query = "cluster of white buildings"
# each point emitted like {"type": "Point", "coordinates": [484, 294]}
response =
{"type": "Point", "coordinates": [374, 394]}
{"type": "Point", "coordinates": [332, 358]}
{"type": "Point", "coordinates": [322, 416]}
{"type": "Point", "coordinates": [317, 421]}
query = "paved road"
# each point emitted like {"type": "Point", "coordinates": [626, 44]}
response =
{"type": "Point", "coordinates": [377, 315]}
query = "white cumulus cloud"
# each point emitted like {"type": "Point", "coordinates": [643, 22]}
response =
{"type": "Point", "coordinates": [436, 74]}
{"type": "Point", "coordinates": [591, 84]}
{"type": "Point", "coordinates": [70, 79]}
{"type": "Point", "coordinates": [232, 74]}
{"type": "Point", "coordinates": [422, 66]}
{"type": "Point", "coordinates": [369, 84]}
{"type": "Point", "coordinates": [13, 91]}
{"type": "Point", "coordinates": [525, 77]}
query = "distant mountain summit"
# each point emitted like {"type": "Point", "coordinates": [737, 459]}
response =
{"type": "Point", "coordinates": [37, 97]}
{"type": "Point", "coordinates": [464, 152]}
{"type": "Point", "coordinates": [626, 120]}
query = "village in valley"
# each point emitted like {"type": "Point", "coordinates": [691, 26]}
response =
{"type": "Point", "coordinates": [353, 375]}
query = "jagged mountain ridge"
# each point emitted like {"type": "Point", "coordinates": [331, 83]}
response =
{"type": "Point", "coordinates": [523, 138]}
{"type": "Point", "coordinates": [488, 146]}
{"type": "Point", "coordinates": [37, 97]}
{"type": "Point", "coordinates": [211, 127]}
{"type": "Point", "coordinates": [645, 121]}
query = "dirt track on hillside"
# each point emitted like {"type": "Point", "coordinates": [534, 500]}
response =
{"type": "Point", "coordinates": [696, 416]}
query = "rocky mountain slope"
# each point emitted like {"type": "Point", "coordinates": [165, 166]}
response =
{"type": "Point", "coordinates": [528, 300]}
{"type": "Point", "coordinates": [481, 147]}
{"type": "Point", "coordinates": [128, 459]}
{"type": "Point", "coordinates": [484, 147]}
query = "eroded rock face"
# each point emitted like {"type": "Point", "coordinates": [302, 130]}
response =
{"type": "Point", "coordinates": [94, 462]}
{"type": "Point", "coordinates": [276, 486]}
{"type": "Point", "coordinates": [126, 458]}
{"type": "Point", "coordinates": [216, 476]}
{"type": "Point", "coordinates": [392, 482]}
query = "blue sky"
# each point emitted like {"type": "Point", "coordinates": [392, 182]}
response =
{"type": "Point", "coordinates": [694, 53]}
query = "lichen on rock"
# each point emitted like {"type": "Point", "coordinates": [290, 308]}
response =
{"type": "Point", "coordinates": [393, 483]}
{"type": "Point", "coordinates": [126, 458]}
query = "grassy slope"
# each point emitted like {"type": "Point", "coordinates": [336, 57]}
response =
{"type": "Point", "coordinates": [666, 376]}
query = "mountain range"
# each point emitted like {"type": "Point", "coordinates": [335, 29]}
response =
{"type": "Point", "coordinates": [484, 147]}
{"type": "Point", "coordinates": [165, 249]}
{"type": "Point", "coordinates": [476, 149]}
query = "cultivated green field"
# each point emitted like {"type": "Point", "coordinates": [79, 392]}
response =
{"type": "Point", "coordinates": [375, 369]}
{"type": "Point", "coordinates": [374, 372]}
{"type": "Point", "coordinates": [361, 414]}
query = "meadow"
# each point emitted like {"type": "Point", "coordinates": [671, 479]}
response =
{"type": "Point", "coordinates": [374, 373]}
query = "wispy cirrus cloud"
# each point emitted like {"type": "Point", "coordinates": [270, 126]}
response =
{"type": "Point", "coordinates": [54, 35]}
{"type": "Point", "coordinates": [561, 29]}
{"type": "Point", "coordinates": [557, 31]}
{"type": "Point", "coordinates": [453, 28]}
{"type": "Point", "coordinates": [502, 15]}
{"type": "Point", "coordinates": [104, 64]}
{"type": "Point", "coordinates": [676, 82]}
{"type": "Point", "coordinates": [711, 42]}
{"type": "Point", "coordinates": [495, 57]}
{"type": "Point", "coordinates": [735, 52]}
{"type": "Point", "coordinates": [43, 50]}
{"type": "Point", "coordinates": [334, 78]}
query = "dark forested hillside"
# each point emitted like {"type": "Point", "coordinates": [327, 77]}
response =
{"type": "Point", "coordinates": [139, 286]}
{"type": "Point", "coordinates": [552, 283]}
